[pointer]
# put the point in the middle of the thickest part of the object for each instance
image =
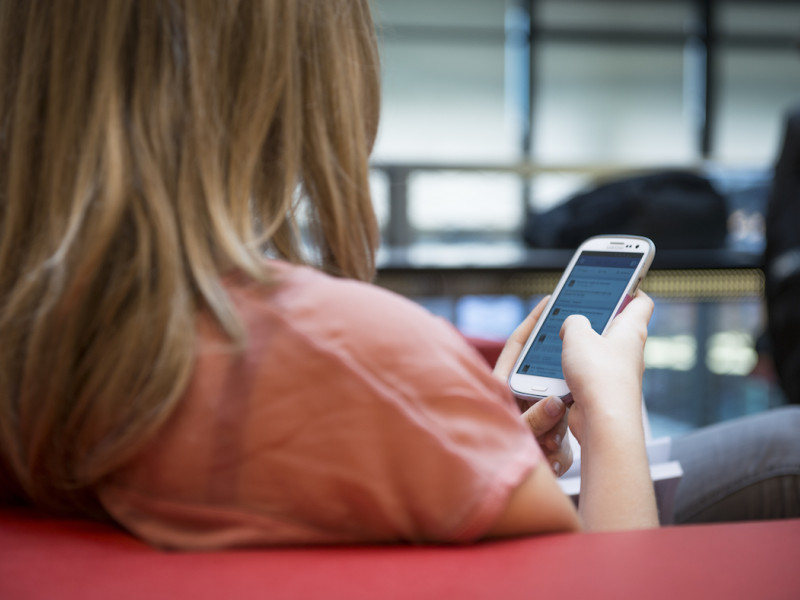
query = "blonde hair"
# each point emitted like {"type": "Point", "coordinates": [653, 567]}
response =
{"type": "Point", "coordinates": [146, 148]}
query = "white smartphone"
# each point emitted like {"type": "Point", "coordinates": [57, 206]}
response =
{"type": "Point", "coordinates": [600, 279]}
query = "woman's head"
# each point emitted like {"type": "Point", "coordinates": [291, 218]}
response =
{"type": "Point", "coordinates": [146, 147]}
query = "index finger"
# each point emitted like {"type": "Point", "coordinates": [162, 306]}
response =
{"type": "Point", "coordinates": [637, 312]}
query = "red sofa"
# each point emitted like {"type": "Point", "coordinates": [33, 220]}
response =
{"type": "Point", "coordinates": [43, 558]}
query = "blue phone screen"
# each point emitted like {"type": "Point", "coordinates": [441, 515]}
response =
{"type": "Point", "coordinates": [593, 288]}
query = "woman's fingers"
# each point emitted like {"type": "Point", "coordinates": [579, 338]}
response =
{"type": "Point", "coordinates": [545, 415]}
{"type": "Point", "coordinates": [636, 315]}
{"type": "Point", "coordinates": [548, 421]}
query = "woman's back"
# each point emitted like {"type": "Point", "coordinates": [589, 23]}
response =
{"type": "Point", "coordinates": [323, 432]}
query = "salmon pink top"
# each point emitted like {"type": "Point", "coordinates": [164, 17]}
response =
{"type": "Point", "coordinates": [353, 415]}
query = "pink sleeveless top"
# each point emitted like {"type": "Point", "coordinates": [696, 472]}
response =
{"type": "Point", "coordinates": [353, 415]}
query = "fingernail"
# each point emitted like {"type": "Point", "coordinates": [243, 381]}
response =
{"type": "Point", "coordinates": [553, 406]}
{"type": "Point", "coordinates": [557, 439]}
{"type": "Point", "coordinates": [557, 468]}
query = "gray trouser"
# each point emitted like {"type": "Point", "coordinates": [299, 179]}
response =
{"type": "Point", "coordinates": [744, 469]}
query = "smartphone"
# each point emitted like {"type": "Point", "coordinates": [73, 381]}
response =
{"type": "Point", "coordinates": [600, 279]}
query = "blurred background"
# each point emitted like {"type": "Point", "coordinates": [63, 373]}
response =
{"type": "Point", "coordinates": [498, 112]}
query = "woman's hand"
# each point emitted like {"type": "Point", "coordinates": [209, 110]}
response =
{"type": "Point", "coordinates": [604, 373]}
{"type": "Point", "coordinates": [546, 418]}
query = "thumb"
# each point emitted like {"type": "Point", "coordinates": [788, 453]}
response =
{"type": "Point", "coordinates": [544, 415]}
{"type": "Point", "coordinates": [576, 325]}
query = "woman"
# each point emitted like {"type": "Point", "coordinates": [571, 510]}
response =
{"type": "Point", "coordinates": [159, 371]}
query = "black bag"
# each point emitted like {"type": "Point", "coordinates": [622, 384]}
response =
{"type": "Point", "coordinates": [675, 209]}
{"type": "Point", "coordinates": [782, 262]}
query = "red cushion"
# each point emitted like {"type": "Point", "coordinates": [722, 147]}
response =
{"type": "Point", "coordinates": [489, 349]}
{"type": "Point", "coordinates": [43, 558]}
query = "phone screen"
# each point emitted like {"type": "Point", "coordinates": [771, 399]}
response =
{"type": "Point", "coordinates": [593, 288]}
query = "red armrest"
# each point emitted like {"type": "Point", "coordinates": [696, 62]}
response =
{"type": "Point", "coordinates": [43, 558]}
{"type": "Point", "coordinates": [489, 349]}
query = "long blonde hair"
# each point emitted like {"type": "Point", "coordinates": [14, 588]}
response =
{"type": "Point", "coordinates": [146, 148]}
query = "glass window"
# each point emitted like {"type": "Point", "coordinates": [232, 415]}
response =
{"type": "Point", "coordinates": [444, 88]}
{"type": "Point", "coordinates": [490, 317]}
{"type": "Point", "coordinates": [379, 190]}
{"type": "Point", "coordinates": [611, 104]}
{"type": "Point", "coordinates": [444, 102]}
{"type": "Point", "coordinates": [615, 14]}
{"type": "Point", "coordinates": [766, 17]}
{"type": "Point", "coordinates": [392, 14]}
{"type": "Point", "coordinates": [452, 202]}
{"type": "Point", "coordinates": [757, 87]}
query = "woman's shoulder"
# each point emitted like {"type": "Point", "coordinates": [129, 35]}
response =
{"type": "Point", "coordinates": [354, 313]}
{"type": "Point", "coordinates": [346, 391]}
{"type": "Point", "coordinates": [314, 323]}
{"type": "Point", "coordinates": [322, 290]}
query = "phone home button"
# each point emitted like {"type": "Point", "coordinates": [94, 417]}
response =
{"type": "Point", "coordinates": [538, 389]}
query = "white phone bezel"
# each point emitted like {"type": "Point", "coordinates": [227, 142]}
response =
{"type": "Point", "coordinates": [535, 387]}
